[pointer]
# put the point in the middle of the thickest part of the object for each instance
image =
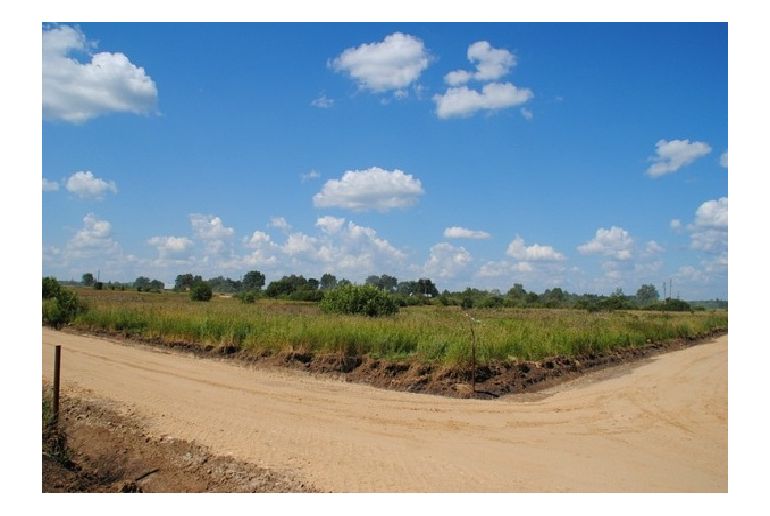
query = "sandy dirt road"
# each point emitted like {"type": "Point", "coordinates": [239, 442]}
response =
{"type": "Point", "coordinates": [658, 426]}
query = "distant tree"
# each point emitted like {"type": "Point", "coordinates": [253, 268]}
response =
{"type": "Point", "coordinates": [426, 287]}
{"type": "Point", "coordinates": [88, 279]}
{"type": "Point", "coordinates": [647, 294]}
{"type": "Point", "coordinates": [388, 283]}
{"type": "Point", "coordinates": [286, 286]}
{"type": "Point", "coordinates": [157, 285]}
{"type": "Point", "coordinates": [183, 282]}
{"type": "Point", "coordinates": [373, 281]}
{"type": "Point", "coordinates": [312, 284]}
{"type": "Point", "coordinates": [142, 283]}
{"type": "Point", "coordinates": [98, 285]}
{"type": "Point", "coordinates": [328, 281]}
{"type": "Point", "coordinates": [253, 281]}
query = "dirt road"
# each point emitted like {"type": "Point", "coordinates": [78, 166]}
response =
{"type": "Point", "coordinates": [659, 426]}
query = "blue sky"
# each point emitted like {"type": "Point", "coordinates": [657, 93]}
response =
{"type": "Point", "coordinates": [586, 156]}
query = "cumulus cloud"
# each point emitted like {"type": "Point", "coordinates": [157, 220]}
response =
{"type": "Point", "coordinates": [460, 232]}
{"type": "Point", "coordinates": [672, 155]}
{"type": "Point", "coordinates": [86, 186]}
{"type": "Point", "coordinates": [77, 92]}
{"type": "Point", "coordinates": [675, 224]}
{"type": "Point", "coordinates": [170, 245]}
{"type": "Point", "coordinates": [496, 269]}
{"type": "Point", "coordinates": [322, 101]}
{"type": "Point", "coordinates": [446, 260]}
{"type": "Point", "coordinates": [652, 247]}
{"type": "Point", "coordinates": [279, 223]}
{"type": "Point", "coordinates": [723, 160]}
{"type": "Point", "coordinates": [709, 230]}
{"type": "Point", "coordinates": [614, 242]}
{"type": "Point", "coordinates": [370, 189]}
{"type": "Point", "coordinates": [464, 102]}
{"type": "Point", "coordinates": [94, 237]}
{"type": "Point", "coordinates": [212, 231]}
{"type": "Point", "coordinates": [330, 225]}
{"type": "Point", "coordinates": [533, 253]}
{"type": "Point", "coordinates": [50, 186]}
{"type": "Point", "coordinates": [491, 64]}
{"type": "Point", "coordinates": [391, 64]}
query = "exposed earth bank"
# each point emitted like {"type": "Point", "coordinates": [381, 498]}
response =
{"type": "Point", "coordinates": [651, 425]}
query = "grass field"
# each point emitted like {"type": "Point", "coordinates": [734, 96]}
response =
{"type": "Point", "coordinates": [426, 333]}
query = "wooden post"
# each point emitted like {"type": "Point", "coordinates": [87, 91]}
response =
{"type": "Point", "coordinates": [473, 361]}
{"type": "Point", "coordinates": [56, 368]}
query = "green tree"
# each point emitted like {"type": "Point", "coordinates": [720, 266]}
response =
{"type": "Point", "coordinates": [328, 281]}
{"type": "Point", "coordinates": [184, 282]}
{"type": "Point", "coordinates": [142, 283]}
{"type": "Point", "coordinates": [647, 294]}
{"type": "Point", "coordinates": [253, 280]}
{"type": "Point", "coordinates": [88, 279]}
{"type": "Point", "coordinates": [359, 300]}
{"type": "Point", "coordinates": [426, 288]}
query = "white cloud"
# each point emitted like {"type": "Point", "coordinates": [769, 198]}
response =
{"type": "Point", "coordinates": [491, 64]}
{"type": "Point", "coordinates": [519, 250]}
{"type": "Point", "coordinates": [497, 269]}
{"type": "Point", "coordinates": [50, 186]}
{"type": "Point", "coordinates": [86, 186]}
{"type": "Point", "coordinates": [211, 231]}
{"type": "Point", "coordinates": [170, 245]}
{"type": "Point", "coordinates": [299, 243]}
{"type": "Point", "coordinates": [652, 247]}
{"type": "Point", "coordinates": [460, 232]}
{"type": "Point", "coordinates": [313, 174]}
{"type": "Point", "coordinates": [458, 77]}
{"type": "Point", "coordinates": [712, 213]}
{"type": "Point", "coordinates": [322, 101]}
{"type": "Point", "coordinates": [709, 231]}
{"type": "Point", "coordinates": [723, 160]}
{"type": "Point", "coordinates": [676, 224]}
{"type": "Point", "coordinates": [370, 189]}
{"type": "Point", "coordinates": [330, 225]}
{"type": "Point", "coordinates": [527, 113]}
{"type": "Point", "coordinates": [391, 64]}
{"type": "Point", "coordinates": [672, 155]}
{"type": "Point", "coordinates": [279, 223]}
{"type": "Point", "coordinates": [614, 242]}
{"type": "Point", "coordinates": [94, 237]}
{"type": "Point", "coordinates": [77, 92]}
{"type": "Point", "coordinates": [446, 260]}
{"type": "Point", "coordinates": [464, 102]}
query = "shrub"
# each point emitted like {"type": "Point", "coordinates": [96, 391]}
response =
{"type": "Point", "coordinates": [60, 305]}
{"type": "Point", "coordinates": [200, 291]}
{"type": "Point", "coordinates": [359, 300]}
{"type": "Point", "coordinates": [248, 298]}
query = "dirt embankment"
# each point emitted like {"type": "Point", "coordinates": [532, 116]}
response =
{"type": "Point", "coordinates": [98, 450]}
{"type": "Point", "coordinates": [657, 425]}
{"type": "Point", "coordinates": [493, 380]}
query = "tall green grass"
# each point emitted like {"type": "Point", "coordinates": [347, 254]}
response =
{"type": "Point", "coordinates": [426, 333]}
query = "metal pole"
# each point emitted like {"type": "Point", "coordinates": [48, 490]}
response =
{"type": "Point", "coordinates": [56, 367]}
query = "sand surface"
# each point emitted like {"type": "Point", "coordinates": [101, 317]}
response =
{"type": "Point", "coordinates": [659, 425]}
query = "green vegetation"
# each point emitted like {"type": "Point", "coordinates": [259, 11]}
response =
{"type": "Point", "coordinates": [430, 333]}
{"type": "Point", "coordinates": [200, 291]}
{"type": "Point", "coordinates": [359, 300]}
{"type": "Point", "coordinates": [60, 305]}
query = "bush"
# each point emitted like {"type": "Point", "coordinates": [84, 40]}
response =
{"type": "Point", "coordinates": [60, 305]}
{"type": "Point", "coordinates": [248, 298]}
{"type": "Point", "coordinates": [306, 294]}
{"type": "Point", "coordinates": [359, 300]}
{"type": "Point", "coordinates": [200, 291]}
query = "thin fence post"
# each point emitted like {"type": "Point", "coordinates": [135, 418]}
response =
{"type": "Point", "coordinates": [56, 368]}
{"type": "Point", "coordinates": [473, 362]}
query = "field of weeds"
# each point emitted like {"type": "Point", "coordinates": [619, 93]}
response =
{"type": "Point", "coordinates": [431, 333]}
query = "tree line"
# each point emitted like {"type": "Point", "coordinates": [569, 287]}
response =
{"type": "Point", "coordinates": [294, 287]}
